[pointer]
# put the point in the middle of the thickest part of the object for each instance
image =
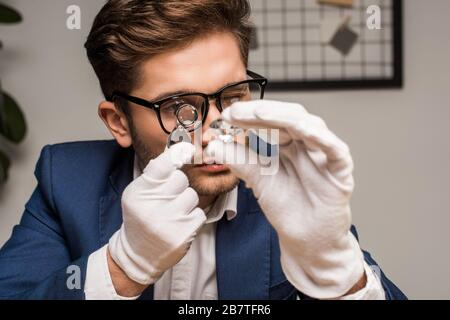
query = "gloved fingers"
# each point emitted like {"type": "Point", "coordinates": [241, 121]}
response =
{"type": "Point", "coordinates": [326, 150]}
{"type": "Point", "coordinates": [165, 189]}
{"type": "Point", "coordinates": [318, 138]}
{"type": "Point", "coordinates": [241, 160]}
{"type": "Point", "coordinates": [301, 125]}
{"type": "Point", "coordinates": [315, 171]}
{"type": "Point", "coordinates": [170, 160]}
{"type": "Point", "coordinates": [187, 200]}
{"type": "Point", "coordinates": [191, 223]}
{"type": "Point", "coordinates": [178, 182]}
{"type": "Point", "coordinates": [295, 122]}
{"type": "Point", "coordinates": [246, 114]}
{"type": "Point", "coordinates": [199, 216]}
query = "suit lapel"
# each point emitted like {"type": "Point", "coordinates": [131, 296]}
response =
{"type": "Point", "coordinates": [110, 210]}
{"type": "Point", "coordinates": [110, 215]}
{"type": "Point", "coordinates": [243, 252]}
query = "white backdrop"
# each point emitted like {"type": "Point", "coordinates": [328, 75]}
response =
{"type": "Point", "coordinates": [399, 138]}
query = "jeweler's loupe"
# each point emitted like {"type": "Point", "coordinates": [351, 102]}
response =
{"type": "Point", "coordinates": [187, 121]}
{"type": "Point", "coordinates": [187, 115]}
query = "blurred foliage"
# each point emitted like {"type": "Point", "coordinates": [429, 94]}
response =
{"type": "Point", "coordinates": [12, 121]}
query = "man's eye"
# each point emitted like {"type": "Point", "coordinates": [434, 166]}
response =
{"type": "Point", "coordinates": [233, 98]}
{"type": "Point", "coordinates": [171, 107]}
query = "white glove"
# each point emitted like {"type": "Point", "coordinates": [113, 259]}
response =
{"type": "Point", "coordinates": [160, 218]}
{"type": "Point", "coordinates": [306, 200]}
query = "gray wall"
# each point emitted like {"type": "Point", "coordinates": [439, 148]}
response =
{"type": "Point", "coordinates": [399, 138]}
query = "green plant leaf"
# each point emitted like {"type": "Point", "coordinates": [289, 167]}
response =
{"type": "Point", "coordinates": [4, 166]}
{"type": "Point", "coordinates": [9, 15]}
{"type": "Point", "coordinates": [12, 121]}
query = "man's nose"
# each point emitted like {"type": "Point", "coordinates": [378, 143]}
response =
{"type": "Point", "coordinates": [213, 114]}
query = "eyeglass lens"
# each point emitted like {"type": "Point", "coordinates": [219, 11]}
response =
{"type": "Point", "coordinates": [186, 110]}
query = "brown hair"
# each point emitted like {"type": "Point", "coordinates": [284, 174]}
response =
{"type": "Point", "coordinates": [127, 32]}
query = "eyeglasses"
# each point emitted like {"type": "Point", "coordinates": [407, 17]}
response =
{"type": "Point", "coordinates": [166, 109]}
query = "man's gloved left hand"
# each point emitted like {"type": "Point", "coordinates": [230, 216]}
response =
{"type": "Point", "coordinates": [306, 200]}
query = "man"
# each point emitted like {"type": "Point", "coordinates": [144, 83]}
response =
{"type": "Point", "coordinates": [139, 220]}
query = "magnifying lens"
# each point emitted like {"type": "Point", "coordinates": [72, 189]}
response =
{"type": "Point", "coordinates": [187, 121]}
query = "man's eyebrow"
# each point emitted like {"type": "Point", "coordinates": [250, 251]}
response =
{"type": "Point", "coordinates": [186, 91]}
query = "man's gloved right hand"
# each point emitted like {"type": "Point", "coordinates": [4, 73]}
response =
{"type": "Point", "coordinates": [160, 218]}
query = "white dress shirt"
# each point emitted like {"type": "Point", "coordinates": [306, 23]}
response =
{"type": "Point", "coordinates": [194, 276]}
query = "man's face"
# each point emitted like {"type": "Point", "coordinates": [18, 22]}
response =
{"type": "Point", "coordinates": [205, 65]}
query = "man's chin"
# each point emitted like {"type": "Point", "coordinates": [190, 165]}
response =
{"type": "Point", "coordinates": [210, 181]}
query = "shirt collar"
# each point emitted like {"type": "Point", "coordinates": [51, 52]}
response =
{"type": "Point", "coordinates": [225, 202]}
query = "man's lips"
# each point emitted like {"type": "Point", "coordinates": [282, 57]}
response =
{"type": "Point", "coordinates": [208, 164]}
{"type": "Point", "coordinates": [211, 166]}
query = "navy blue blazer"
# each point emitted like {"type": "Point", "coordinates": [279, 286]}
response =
{"type": "Point", "coordinates": [75, 209]}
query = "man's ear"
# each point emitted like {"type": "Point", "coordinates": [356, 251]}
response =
{"type": "Point", "coordinates": [116, 122]}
